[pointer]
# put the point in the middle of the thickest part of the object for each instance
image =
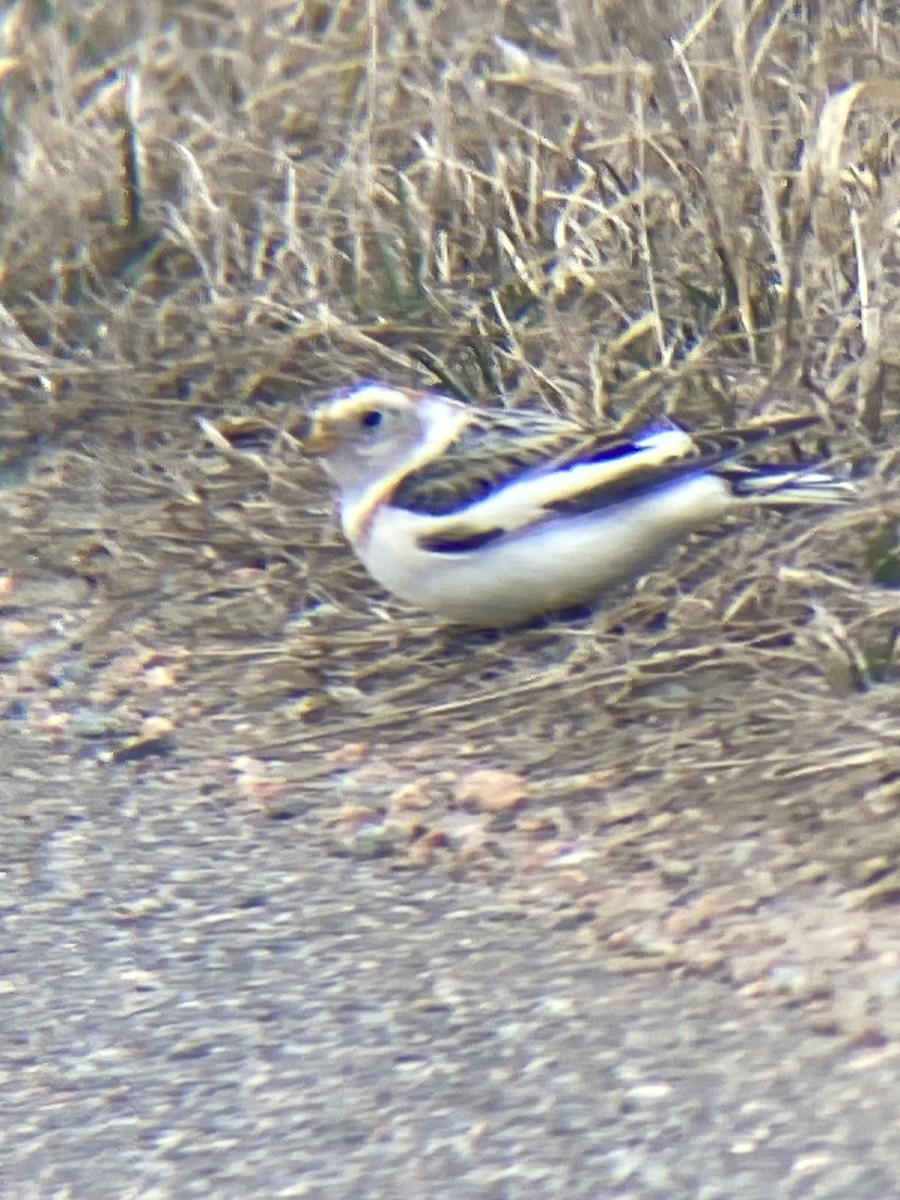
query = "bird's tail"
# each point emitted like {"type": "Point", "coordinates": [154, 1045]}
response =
{"type": "Point", "coordinates": [781, 488]}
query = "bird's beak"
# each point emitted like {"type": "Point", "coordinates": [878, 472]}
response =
{"type": "Point", "coordinates": [314, 435]}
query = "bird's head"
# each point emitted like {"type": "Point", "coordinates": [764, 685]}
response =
{"type": "Point", "coordinates": [375, 433]}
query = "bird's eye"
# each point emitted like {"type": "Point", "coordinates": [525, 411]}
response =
{"type": "Point", "coordinates": [372, 419]}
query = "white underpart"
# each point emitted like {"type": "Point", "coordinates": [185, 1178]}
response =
{"type": "Point", "coordinates": [559, 562]}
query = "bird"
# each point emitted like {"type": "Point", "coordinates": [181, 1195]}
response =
{"type": "Point", "coordinates": [492, 518]}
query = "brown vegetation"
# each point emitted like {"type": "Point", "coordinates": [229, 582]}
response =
{"type": "Point", "coordinates": [223, 210]}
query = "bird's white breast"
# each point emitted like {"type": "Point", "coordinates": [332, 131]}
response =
{"type": "Point", "coordinates": [560, 562]}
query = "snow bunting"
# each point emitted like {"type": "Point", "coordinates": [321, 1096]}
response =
{"type": "Point", "coordinates": [490, 518]}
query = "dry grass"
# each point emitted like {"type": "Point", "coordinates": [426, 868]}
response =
{"type": "Point", "coordinates": [231, 208]}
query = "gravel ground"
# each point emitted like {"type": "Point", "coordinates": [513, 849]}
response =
{"type": "Point", "coordinates": [199, 1002]}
